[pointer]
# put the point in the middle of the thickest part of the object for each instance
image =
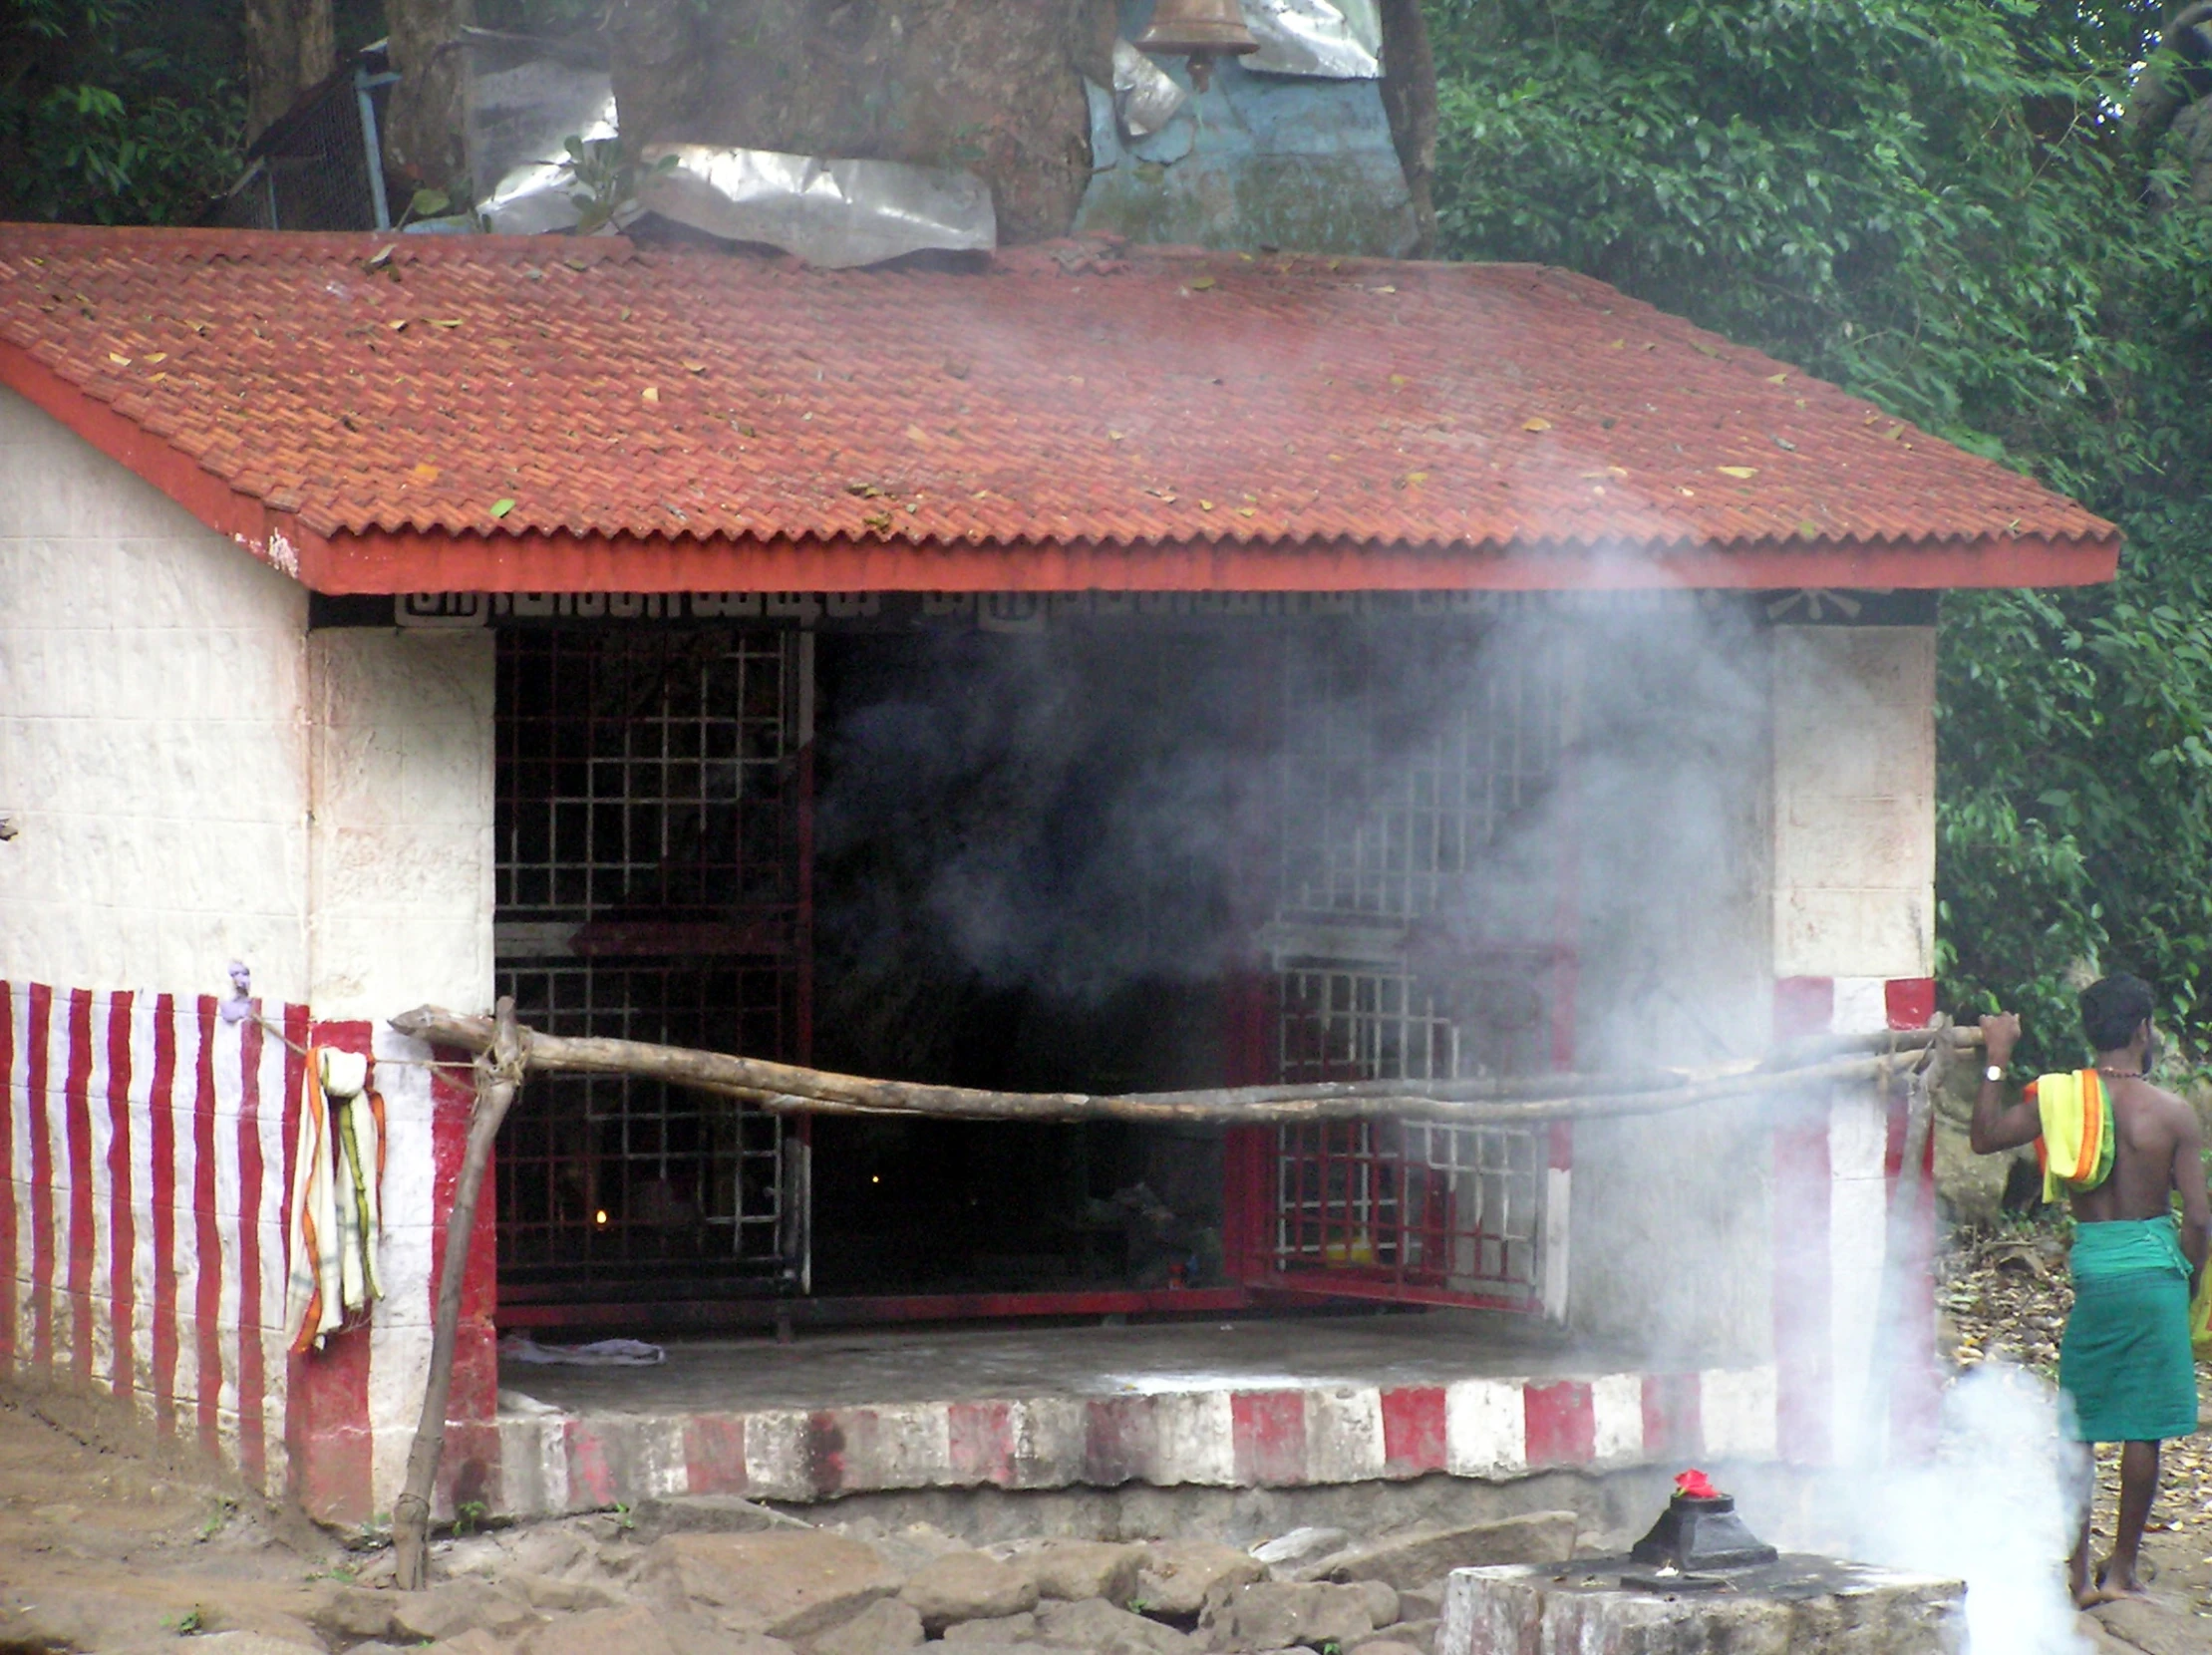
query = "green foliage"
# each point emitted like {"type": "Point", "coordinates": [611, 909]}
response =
{"type": "Point", "coordinates": [606, 180]}
{"type": "Point", "coordinates": [115, 110]}
{"type": "Point", "coordinates": [1927, 200]}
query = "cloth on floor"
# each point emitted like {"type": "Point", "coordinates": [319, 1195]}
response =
{"type": "Point", "coordinates": [601, 1353]}
{"type": "Point", "coordinates": [2077, 1145]}
{"type": "Point", "coordinates": [2125, 1364]}
{"type": "Point", "coordinates": [337, 1220]}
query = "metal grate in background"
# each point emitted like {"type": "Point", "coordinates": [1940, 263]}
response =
{"type": "Point", "coordinates": [1400, 764]}
{"type": "Point", "coordinates": [648, 882]}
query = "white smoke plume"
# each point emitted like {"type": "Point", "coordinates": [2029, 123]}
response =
{"type": "Point", "coordinates": [1996, 1507]}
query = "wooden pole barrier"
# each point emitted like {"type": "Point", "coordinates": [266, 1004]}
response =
{"type": "Point", "coordinates": [500, 1070]}
{"type": "Point", "coordinates": [789, 1089]}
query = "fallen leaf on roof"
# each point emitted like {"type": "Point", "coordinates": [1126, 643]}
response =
{"type": "Point", "coordinates": [1809, 529]}
{"type": "Point", "coordinates": [1413, 479]}
{"type": "Point", "coordinates": [425, 473]}
{"type": "Point", "coordinates": [157, 356]}
{"type": "Point", "coordinates": [445, 321]}
{"type": "Point", "coordinates": [916, 434]}
{"type": "Point", "coordinates": [1115, 436]}
{"type": "Point", "coordinates": [1205, 505]}
{"type": "Point", "coordinates": [878, 519]}
{"type": "Point", "coordinates": [1536, 423]}
{"type": "Point", "coordinates": [1386, 290]}
{"type": "Point", "coordinates": [1703, 349]}
{"type": "Point", "coordinates": [691, 367]}
{"type": "Point", "coordinates": [866, 491]}
{"type": "Point", "coordinates": [118, 361]}
{"type": "Point", "coordinates": [652, 393]}
{"type": "Point", "coordinates": [500, 508]}
{"type": "Point", "coordinates": [382, 256]}
{"type": "Point", "coordinates": [1616, 344]}
{"type": "Point", "coordinates": [1398, 379]}
{"type": "Point", "coordinates": [1737, 471]}
{"type": "Point", "coordinates": [1893, 432]}
{"type": "Point", "coordinates": [398, 326]}
{"type": "Point", "coordinates": [1199, 284]}
{"type": "Point", "coordinates": [1778, 379]}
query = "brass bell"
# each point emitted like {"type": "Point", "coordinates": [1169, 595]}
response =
{"type": "Point", "coordinates": [1200, 30]}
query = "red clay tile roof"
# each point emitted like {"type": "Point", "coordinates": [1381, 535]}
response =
{"type": "Point", "coordinates": [364, 409]}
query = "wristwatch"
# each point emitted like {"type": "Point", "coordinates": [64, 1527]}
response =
{"type": "Point", "coordinates": [1995, 1072]}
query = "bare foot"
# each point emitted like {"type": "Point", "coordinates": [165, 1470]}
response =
{"type": "Point", "coordinates": [2112, 1587]}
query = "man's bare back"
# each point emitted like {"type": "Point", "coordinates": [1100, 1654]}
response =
{"type": "Point", "coordinates": [2156, 1150]}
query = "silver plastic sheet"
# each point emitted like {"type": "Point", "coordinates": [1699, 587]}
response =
{"type": "Point", "coordinates": [534, 197]}
{"type": "Point", "coordinates": [1339, 40]}
{"type": "Point", "coordinates": [1145, 96]}
{"type": "Point", "coordinates": [834, 213]}
{"type": "Point", "coordinates": [525, 96]}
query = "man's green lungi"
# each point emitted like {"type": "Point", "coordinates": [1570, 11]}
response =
{"type": "Point", "coordinates": [2125, 1363]}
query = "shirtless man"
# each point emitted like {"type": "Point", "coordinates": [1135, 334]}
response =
{"type": "Point", "coordinates": [2125, 1364]}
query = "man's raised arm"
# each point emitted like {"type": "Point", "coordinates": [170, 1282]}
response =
{"type": "Point", "coordinates": [1996, 1127]}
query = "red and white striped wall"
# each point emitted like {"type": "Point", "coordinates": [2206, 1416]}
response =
{"type": "Point", "coordinates": [141, 1227]}
{"type": "Point", "coordinates": [149, 1147]}
{"type": "Point", "coordinates": [1855, 1295]}
{"type": "Point", "coordinates": [1490, 1428]}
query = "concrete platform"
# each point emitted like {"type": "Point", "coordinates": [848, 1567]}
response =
{"type": "Point", "coordinates": [1799, 1605]}
{"type": "Point", "coordinates": [1250, 1404]}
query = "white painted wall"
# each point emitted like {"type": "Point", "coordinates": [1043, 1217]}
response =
{"type": "Point", "coordinates": [194, 778]}
{"type": "Point", "coordinates": [401, 848]}
{"type": "Point", "coordinates": [1855, 802]}
{"type": "Point", "coordinates": [152, 741]}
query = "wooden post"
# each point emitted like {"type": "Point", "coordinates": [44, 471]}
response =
{"type": "Point", "coordinates": [498, 1077]}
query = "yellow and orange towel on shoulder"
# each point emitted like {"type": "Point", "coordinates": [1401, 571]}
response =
{"type": "Point", "coordinates": [2076, 1147]}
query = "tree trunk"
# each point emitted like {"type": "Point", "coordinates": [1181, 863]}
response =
{"type": "Point", "coordinates": [1409, 99]}
{"type": "Point", "coordinates": [424, 123]}
{"type": "Point", "coordinates": [290, 46]}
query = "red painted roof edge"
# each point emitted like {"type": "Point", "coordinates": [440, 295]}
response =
{"type": "Point", "coordinates": [417, 562]}
{"type": "Point", "coordinates": [430, 563]}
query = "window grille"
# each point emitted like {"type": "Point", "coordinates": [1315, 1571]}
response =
{"type": "Point", "coordinates": [1403, 760]}
{"type": "Point", "coordinates": [1400, 764]}
{"type": "Point", "coordinates": [648, 889]}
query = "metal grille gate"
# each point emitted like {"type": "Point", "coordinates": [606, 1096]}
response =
{"type": "Point", "coordinates": [1393, 804]}
{"type": "Point", "coordinates": [650, 798]}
